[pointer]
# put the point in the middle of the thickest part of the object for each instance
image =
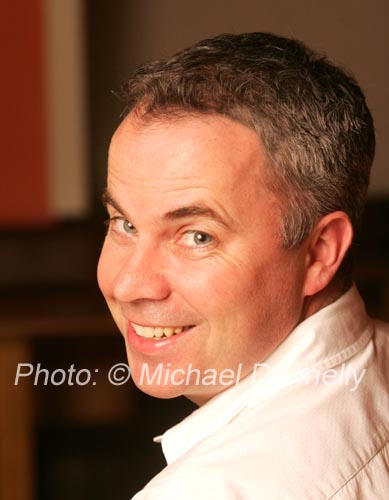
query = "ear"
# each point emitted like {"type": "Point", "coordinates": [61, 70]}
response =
{"type": "Point", "coordinates": [327, 245]}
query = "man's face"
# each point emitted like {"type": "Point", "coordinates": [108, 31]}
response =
{"type": "Point", "coordinates": [194, 246]}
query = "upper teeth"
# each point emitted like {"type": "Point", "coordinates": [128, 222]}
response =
{"type": "Point", "coordinates": [157, 332]}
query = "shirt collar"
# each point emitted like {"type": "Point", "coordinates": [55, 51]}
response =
{"type": "Point", "coordinates": [324, 340]}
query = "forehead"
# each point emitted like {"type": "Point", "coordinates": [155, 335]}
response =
{"type": "Point", "coordinates": [190, 146]}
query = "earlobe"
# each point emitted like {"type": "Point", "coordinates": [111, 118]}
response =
{"type": "Point", "coordinates": [327, 246]}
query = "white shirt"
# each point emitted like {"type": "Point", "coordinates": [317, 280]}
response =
{"type": "Point", "coordinates": [311, 424]}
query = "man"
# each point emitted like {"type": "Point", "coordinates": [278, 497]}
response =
{"type": "Point", "coordinates": [235, 185]}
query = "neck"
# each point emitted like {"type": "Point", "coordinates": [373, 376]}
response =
{"type": "Point", "coordinates": [325, 297]}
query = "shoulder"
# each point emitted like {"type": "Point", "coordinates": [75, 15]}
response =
{"type": "Point", "coordinates": [189, 482]}
{"type": "Point", "coordinates": [371, 481]}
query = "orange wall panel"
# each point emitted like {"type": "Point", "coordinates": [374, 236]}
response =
{"type": "Point", "coordinates": [24, 169]}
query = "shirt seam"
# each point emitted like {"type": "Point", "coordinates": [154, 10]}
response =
{"type": "Point", "coordinates": [348, 352]}
{"type": "Point", "coordinates": [356, 473]}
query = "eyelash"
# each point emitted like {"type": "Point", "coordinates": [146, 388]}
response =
{"type": "Point", "coordinates": [123, 234]}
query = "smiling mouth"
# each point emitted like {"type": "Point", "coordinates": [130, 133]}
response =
{"type": "Point", "coordinates": [158, 332]}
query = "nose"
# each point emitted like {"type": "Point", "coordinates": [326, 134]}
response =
{"type": "Point", "coordinates": [141, 274]}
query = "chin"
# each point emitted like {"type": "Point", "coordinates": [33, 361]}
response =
{"type": "Point", "coordinates": [159, 391]}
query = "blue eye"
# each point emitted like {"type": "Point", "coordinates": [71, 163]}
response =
{"type": "Point", "coordinates": [196, 238]}
{"type": "Point", "coordinates": [128, 227]}
{"type": "Point", "coordinates": [201, 238]}
{"type": "Point", "coordinates": [121, 226]}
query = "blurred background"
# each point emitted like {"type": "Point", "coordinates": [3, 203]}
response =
{"type": "Point", "coordinates": [63, 61]}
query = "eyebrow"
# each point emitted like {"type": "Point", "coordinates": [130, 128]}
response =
{"type": "Point", "coordinates": [195, 211]}
{"type": "Point", "coordinates": [107, 199]}
{"type": "Point", "coordinates": [199, 210]}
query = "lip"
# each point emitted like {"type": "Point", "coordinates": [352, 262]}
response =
{"type": "Point", "coordinates": [153, 346]}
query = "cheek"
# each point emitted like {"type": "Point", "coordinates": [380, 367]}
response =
{"type": "Point", "coordinates": [107, 269]}
{"type": "Point", "coordinates": [218, 288]}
